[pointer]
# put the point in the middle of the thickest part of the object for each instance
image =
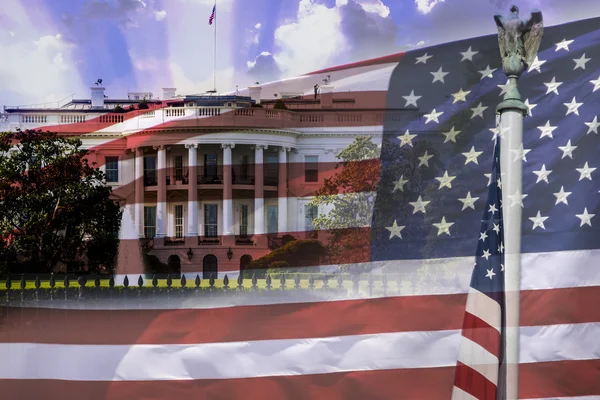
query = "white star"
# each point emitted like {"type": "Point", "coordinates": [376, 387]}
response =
{"type": "Point", "coordinates": [536, 64]}
{"type": "Point", "coordinates": [468, 55]}
{"type": "Point", "coordinates": [419, 205]}
{"type": "Point", "coordinates": [445, 180]}
{"type": "Point", "coordinates": [468, 201]}
{"type": "Point", "coordinates": [395, 230]}
{"type": "Point", "coordinates": [563, 45]}
{"type": "Point", "coordinates": [496, 229]}
{"type": "Point", "coordinates": [593, 125]}
{"type": "Point", "coordinates": [450, 135]}
{"type": "Point", "coordinates": [460, 95]}
{"type": "Point", "coordinates": [553, 85]}
{"type": "Point", "coordinates": [529, 106]}
{"type": "Point", "coordinates": [586, 219]}
{"type": "Point", "coordinates": [486, 254]}
{"type": "Point", "coordinates": [503, 130]}
{"type": "Point", "coordinates": [542, 174]}
{"type": "Point", "coordinates": [424, 159]}
{"type": "Point", "coordinates": [483, 236]}
{"type": "Point", "coordinates": [501, 250]}
{"type": "Point", "coordinates": [504, 87]}
{"type": "Point", "coordinates": [585, 172]}
{"type": "Point", "coordinates": [406, 139]}
{"type": "Point", "coordinates": [567, 150]}
{"type": "Point", "coordinates": [561, 197]}
{"type": "Point", "coordinates": [489, 176]}
{"type": "Point", "coordinates": [478, 110]}
{"type": "Point", "coordinates": [490, 273]}
{"type": "Point", "coordinates": [443, 227]}
{"type": "Point", "coordinates": [572, 107]}
{"type": "Point", "coordinates": [423, 59]}
{"type": "Point", "coordinates": [501, 267]}
{"type": "Point", "coordinates": [520, 153]}
{"type": "Point", "coordinates": [547, 130]}
{"type": "Point", "coordinates": [596, 84]}
{"type": "Point", "coordinates": [411, 99]}
{"type": "Point", "coordinates": [492, 209]}
{"type": "Point", "coordinates": [517, 198]}
{"type": "Point", "coordinates": [433, 116]}
{"type": "Point", "coordinates": [472, 156]}
{"type": "Point", "coordinates": [487, 72]}
{"type": "Point", "coordinates": [538, 220]}
{"type": "Point", "coordinates": [580, 62]}
{"type": "Point", "coordinates": [439, 75]}
{"type": "Point", "coordinates": [399, 184]}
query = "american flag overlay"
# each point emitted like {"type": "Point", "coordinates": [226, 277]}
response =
{"type": "Point", "coordinates": [434, 330]}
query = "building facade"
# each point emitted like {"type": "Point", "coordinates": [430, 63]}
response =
{"type": "Point", "coordinates": [210, 183]}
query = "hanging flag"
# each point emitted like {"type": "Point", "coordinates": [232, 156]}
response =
{"type": "Point", "coordinates": [212, 15]}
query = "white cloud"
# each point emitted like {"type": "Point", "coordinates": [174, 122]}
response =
{"type": "Point", "coordinates": [425, 6]}
{"type": "Point", "coordinates": [251, 64]}
{"type": "Point", "coordinates": [257, 26]}
{"type": "Point", "coordinates": [322, 36]}
{"type": "Point", "coordinates": [160, 15]}
{"type": "Point", "coordinates": [185, 85]}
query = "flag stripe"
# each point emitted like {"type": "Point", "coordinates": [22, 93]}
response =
{"type": "Point", "coordinates": [276, 321]}
{"type": "Point", "coordinates": [484, 308]}
{"type": "Point", "coordinates": [395, 350]}
{"type": "Point", "coordinates": [470, 380]}
{"type": "Point", "coordinates": [480, 360]}
{"type": "Point", "coordinates": [552, 380]}
{"type": "Point", "coordinates": [478, 331]}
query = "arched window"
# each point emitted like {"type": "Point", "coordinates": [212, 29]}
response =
{"type": "Point", "coordinates": [174, 264]}
{"type": "Point", "coordinates": [209, 266]}
{"type": "Point", "coordinates": [244, 261]}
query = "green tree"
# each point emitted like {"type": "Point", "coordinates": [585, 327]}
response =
{"type": "Point", "coordinates": [54, 206]}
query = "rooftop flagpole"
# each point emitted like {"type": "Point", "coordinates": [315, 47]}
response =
{"type": "Point", "coordinates": [215, 49]}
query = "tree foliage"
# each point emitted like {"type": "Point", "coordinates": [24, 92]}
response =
{"type": "Point", "coordinates": [54, 206]}
{"type": "Point", "coordinates": [294, 254]}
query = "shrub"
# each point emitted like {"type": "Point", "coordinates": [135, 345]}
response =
{"type": "Point", "coordinates": [296, 253]}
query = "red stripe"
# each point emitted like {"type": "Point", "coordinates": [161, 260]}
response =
{"type": "Point", "coordinates": [540, 380]}
{"type": "Point", "coordinates": [478, 331]}
{"type": "Point", "coordinates": [409, 384]}
{"type": "Point", "coordinates": [474, 383]}
{"type": "Point", "coordinates": [278, 321]}
{"type": "Point", "coordinates": [389, 59]}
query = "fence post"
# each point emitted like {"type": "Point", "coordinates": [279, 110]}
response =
{"type": "Point", "coordinates": [311, 282]}
{"type": "Point", "coordinates": [66, 284]}
{"type": "Point", "coordinates": [38, 284]}
{"type": "Point", "coordinates": [183, 283]}
{"type": "Point", "coordinates": [254, 282]}
{"type": "Point", "coordinates": [240, 282]}
{"type": "Point", "coordinates": [23, 283]}
{"type": "Point", "coordinates": [97, 286]}
{"type": "Point", "coordinates": [297, 281]}
{"type": "Point", "coordinates": [197, 282]}
{"type": "Point", "coordinates": [52, 284]}
{"type": "Point", "coordinates": [81, 282]}
{"type": "Point", "coordinates": [268, 281]}
{"type": "Point", "coordinates": [8, 285]}
{"type": "Point", "coordinates": [282, 281]}
{"type": "Point", "coordinates": [126, 286]}
{"type": "Point", "coordinates": [140, 286]}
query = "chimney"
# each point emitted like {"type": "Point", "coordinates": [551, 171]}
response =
{"type": "Point", "coordinates": [97, 96]}
{"type": "Point", "coordinates": [326, 96]}
{"type": "Point", "coordinates": [254, 92]}
{"type": "Point", "coordinates": [168, 93]}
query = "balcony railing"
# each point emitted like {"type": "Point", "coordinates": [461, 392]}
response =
{"type": "Point", "coordinates": [240, 175]}
{"type": "Point", "coordinates": [210, 174]}
{"type": "Point", "coordinates": [178, 176]}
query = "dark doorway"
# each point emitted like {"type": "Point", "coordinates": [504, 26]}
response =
{"type": "Point", "coordinates": [174, 264]}
{"type": "Point", "coordinates": [209, 266]}
{"type": "Point", "coordinates": [244, 261]}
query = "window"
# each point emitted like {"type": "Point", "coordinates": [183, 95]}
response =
{"type": "Point", "coordinates": [310, 213]}
{"type": "Point", "coordinates": [210, 220]}
{"type": "Point", "coordinates": [244, 220]}
{"type": "Point", "coordinates": [112, 169]}
{"type": "Point", "coordinates": [272, 219]}
{"type": "Point", "coordinates": [210, 166]}
{"type": "Point", "coordinates": [178, 221]}
{"type": "Point", "coordinates": [179, 168]}
{"type": "Point", "coordinates": [271, 170]}
{"type": "Point", "coordinates": [149, 222]}
{"type": "Point", "coordinates": [311, 168]}
{"type": "Point", "coordinates": [150, 171]}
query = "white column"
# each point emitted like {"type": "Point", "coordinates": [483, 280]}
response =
{"type": "Point", "coordinates": [259, 200]}
{"type": "Point", "coordinates": [139, 191]}
{"type": "Point", "coordinates": [282, 226]}
{"type": "Point", "coordinates": [192, 190]}
{"type": "Point", "coordinates": [227, 190]}
{"type": "Point", "coordinates": [161, 202]}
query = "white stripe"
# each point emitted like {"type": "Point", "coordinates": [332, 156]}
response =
{"type": "Point", "coordinates": [459, 394]}
{"type": "Point", "coordinates": [542, 271]}
{"type": "Point", "coordinates": [484, 308]}
{"type": "Point", "coordinates": [272, 357]}
{"type": "Point", "coordinates": [479, 359]}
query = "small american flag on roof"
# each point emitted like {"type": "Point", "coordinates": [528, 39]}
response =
{"type": "Point", "coordinates": [212, 15]}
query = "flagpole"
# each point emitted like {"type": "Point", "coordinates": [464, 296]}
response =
{"type": "Point", "coordinates": [215, 52]}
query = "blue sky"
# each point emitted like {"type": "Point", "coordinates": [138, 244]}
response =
{"type": "Point", "coordinates": [52, 49]}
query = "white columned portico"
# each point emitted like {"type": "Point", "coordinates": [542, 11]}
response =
{"type": "Point", "coordinates": [161, 201]}
{"type": "Point", "coordinates": [282, 225]}
{"type": "Point", "coordinates": [139, 191]}
{"type": "Point", "coordinates": [192, 230]}
{"type": "Point", "coordinates": [227, 190]}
